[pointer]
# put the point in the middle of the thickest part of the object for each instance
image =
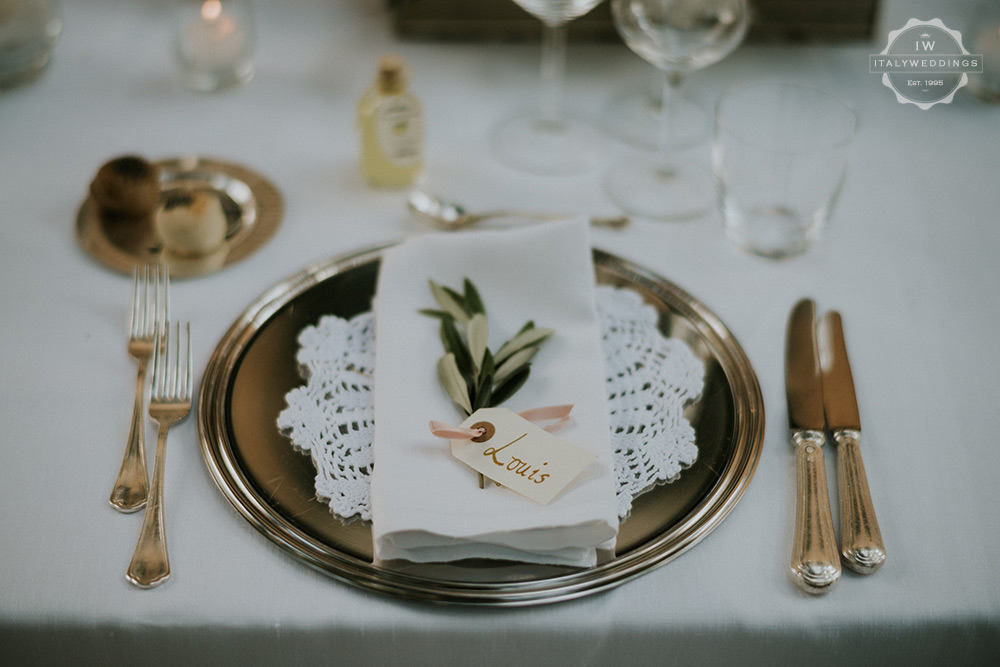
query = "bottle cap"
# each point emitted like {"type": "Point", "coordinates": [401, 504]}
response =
{"type": "Point", "coordinates": [391, 75]}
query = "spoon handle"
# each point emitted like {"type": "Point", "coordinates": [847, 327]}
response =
{"type": "Point", "coordinates": [610, 222]}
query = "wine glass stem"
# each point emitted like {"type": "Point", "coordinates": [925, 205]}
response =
{"type": "Point", "coordinates": [553, 73]}
{"type": "Point", "coordinates": [668, 117]}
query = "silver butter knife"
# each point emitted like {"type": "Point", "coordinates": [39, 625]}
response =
{"type": "Point", "coordinates": [860, 539]}
{"type": "Point", "coordinates": [815, 561]}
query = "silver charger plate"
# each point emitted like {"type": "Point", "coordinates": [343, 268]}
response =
{"type": "Point", "coordinates": [253, 367]}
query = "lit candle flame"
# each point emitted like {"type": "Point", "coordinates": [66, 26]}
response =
{"type": "Point", "coordinates": [211, 10]}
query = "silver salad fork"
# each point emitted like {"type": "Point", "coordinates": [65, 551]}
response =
{"type": "Point", "coordinates": [169, 403]}
{"type": "Point", "coordinates": [150, 312]}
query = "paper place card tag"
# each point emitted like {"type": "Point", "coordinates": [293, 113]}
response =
{"type": "Point", "coordinates": [519, 455]}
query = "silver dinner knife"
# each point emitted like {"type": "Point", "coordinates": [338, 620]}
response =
{"type": "Point", "coordinates": [815, 561]}
{"type": "Point", "coordinates": [860, 539]}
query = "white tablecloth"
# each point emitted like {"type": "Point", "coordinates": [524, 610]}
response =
{"type": "Point", "coordinates": [909, 259]}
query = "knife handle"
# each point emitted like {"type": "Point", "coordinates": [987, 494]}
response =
{"type": "Point", "coordinates": [815, 561]}
{"type": "Point", "coordinates": [860, 537]}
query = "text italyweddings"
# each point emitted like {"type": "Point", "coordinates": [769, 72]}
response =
{"type": "Point", "coordinates": [912, 63]}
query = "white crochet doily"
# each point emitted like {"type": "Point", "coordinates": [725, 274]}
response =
{"type": "Point", "coordinates": [650, 379]}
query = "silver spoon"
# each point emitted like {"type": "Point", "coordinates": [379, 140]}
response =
{"type": "Point", "coordinates": [449, 215]}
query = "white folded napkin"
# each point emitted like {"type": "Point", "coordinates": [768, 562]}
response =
{"type": "Point", "coordinates": [426, 505]}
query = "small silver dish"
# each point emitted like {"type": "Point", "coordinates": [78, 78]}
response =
{"type": "Point", "coordinates": [252, 204]}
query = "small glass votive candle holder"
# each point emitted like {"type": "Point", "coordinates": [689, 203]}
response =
{"type": "Point", "coordinates": [779, 157]}
{"type": "Point", "coordinates": [28, 30]}
{"type": "Point", "coordinates": [214, 43]}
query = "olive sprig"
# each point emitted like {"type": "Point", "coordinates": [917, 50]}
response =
{"type": "Point", "coordinates": [470, 372]}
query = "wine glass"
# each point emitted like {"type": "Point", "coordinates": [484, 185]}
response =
{"type": "Point", "coordinates": [547, 140]}
{"type": "Point", "coordinates": [677, 36]}
{"type": "Point", "coordinates": [633, 117]}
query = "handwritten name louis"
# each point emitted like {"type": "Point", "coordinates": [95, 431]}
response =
{"type": "Point", "coordinates": [517, 465]}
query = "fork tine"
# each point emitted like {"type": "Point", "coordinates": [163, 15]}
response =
{"type": "Point", "coordinates": [167, 366]}
{"type": "Point", "coordinates": [149, 302]}
{"type": "Point", "coordinates": [188, 372]}
{"type": "Point", "coordinates": [134, 321]}
{"type": "Point", "coordinates": [155, 370]}
{"type": "Point", "coordinates": [159, 365]}
{"type": "Point", "coordinates": [173, 367]}
{"type": "Point", "coordinates": [162, 305]}
{"type": "Point", "coordinates": [153, 305]}
{"type": "Point", "coordinates": [166, 295]}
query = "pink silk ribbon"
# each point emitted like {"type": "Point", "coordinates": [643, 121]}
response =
{"type": "Point", "coordinates": [557, 414]}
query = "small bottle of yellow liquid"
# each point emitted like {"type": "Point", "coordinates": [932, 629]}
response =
{"type": "Point", "coordinates": [392, 129]}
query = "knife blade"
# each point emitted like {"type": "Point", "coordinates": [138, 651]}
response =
{"type": "Point", "coordinates": [861, 543]}
{"type": "Point", "coordinates": [815, 562]}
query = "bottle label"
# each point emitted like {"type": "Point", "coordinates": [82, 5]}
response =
{"type": "Point", "coordinates": [400, 131]}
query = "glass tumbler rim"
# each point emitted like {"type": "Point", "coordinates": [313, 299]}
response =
{"type": "Point", "coordinates": [843, 137]}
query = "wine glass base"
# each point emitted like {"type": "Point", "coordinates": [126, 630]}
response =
{"type": "Point", "coordinates": [635, 119]}
{"type": "Point", "coordinates": [646, 187]}
{"type": "Point", "coordinates": [527, 143]}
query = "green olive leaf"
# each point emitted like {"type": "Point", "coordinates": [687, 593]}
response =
{"type": "Point", "coordinates": [439, 314]}
{"type": "Point", "coordinates": [533, 336]}
{"type": "Point", "coordinates": [489, 366]}
{"type": "Point", "coordinates": [509, 387]}
{"type": "Point", "coordinates": [459, 299]}
{"type": "Point", "coordinates": [484, 390]}
{"type": "Point", "coordinates": [453, 382]}
{"type": "Point", "coordinates": [472, 298]}
{"type": "Point", "coordinates": [446, 299]}
{"type": "Point", "coordinates": [453, 343]}
{"type": "Point", "coordinates": [513, 363]}
{"type": "Point", "coordinates": [476, 333]}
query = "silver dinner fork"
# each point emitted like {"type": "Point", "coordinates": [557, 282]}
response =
{"type": "Point", "coordinates": [169, 403]}
{"type": "Point", "coordinates": [150, 312]}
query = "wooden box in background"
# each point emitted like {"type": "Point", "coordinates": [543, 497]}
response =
{"type": "Point", "coordinates": [773, 20]}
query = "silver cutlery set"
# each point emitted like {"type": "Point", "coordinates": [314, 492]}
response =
{"type": "Point", "coordinates": [821, 398]}
{"type": "Point", "coordinates": [171, 389]}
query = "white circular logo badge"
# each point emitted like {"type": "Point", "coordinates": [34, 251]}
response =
{"type": "Point", "coordinates": [925, 63]}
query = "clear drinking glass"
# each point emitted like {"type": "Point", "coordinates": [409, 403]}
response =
{"type": "Point", "coordinates": [677, 36]}
{"type": "Point", "coordinates": [28, 29]}
{"type": "Point", "coordinates": [780, 156]}
{"type": "Point", "coordinates": [547, 140]}
{"type": "Point", "coordinates": [214, 43]}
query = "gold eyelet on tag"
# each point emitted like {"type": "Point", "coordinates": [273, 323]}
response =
{"type": "Point", "coordinates": [488, 431]}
